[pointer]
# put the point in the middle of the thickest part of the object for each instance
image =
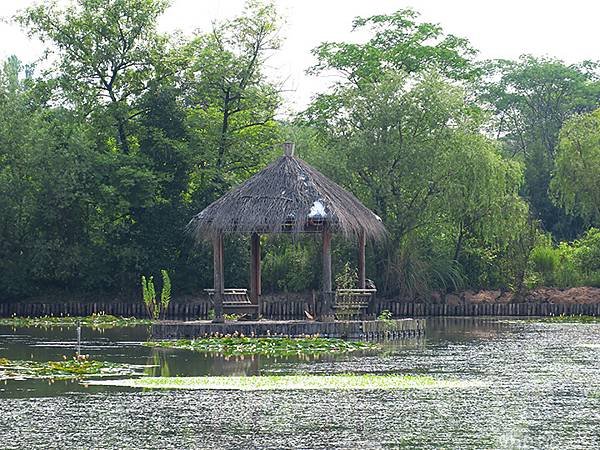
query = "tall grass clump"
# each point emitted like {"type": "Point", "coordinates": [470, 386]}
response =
{"type": "Point", "coordinates": [545, 261]}
{"type": "Point", "coordinates": [415, 273]}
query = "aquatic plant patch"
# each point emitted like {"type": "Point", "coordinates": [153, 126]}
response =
{"type": "Point", "coordinates": [94, 321]}
{"type": "Point", "coordinates": [274, 346]}
{"type": "Point", "coordinates": [65, 369]}
{"type": "Point", "coordinates": [291, 382]}
{"type": "Point", "coordinates": [563, 318]}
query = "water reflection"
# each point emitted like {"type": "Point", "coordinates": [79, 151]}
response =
{"type": "Point", "coordinates": [541, 390]}
{"type": "Point", "coordinates": [125, 345]}
{"type": "Point", "coordinates": [466, 328]}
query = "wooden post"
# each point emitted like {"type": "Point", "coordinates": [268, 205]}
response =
{"type": "Point", "coordinates": [326, 295]}
{"type": "Point", "coordinates": [362, 271]}
{"type": "Point", "coordinates": [255, 275]}
{"type": "Point", "coordinates": [326, 261]}
{"type": "Point", "coordinates": [219, 282]}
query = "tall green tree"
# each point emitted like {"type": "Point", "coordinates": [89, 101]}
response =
{"type": "Point", "coordinates": [232, 104]}
{"type": "Point", "coordinates": [531, 98]}
{"type": "Point", "coordinates": [108, 61]}
{"type": "Point", "coordinates": [576, 180]}
{"type": "Point", "coordinates": [48, 190]}
{"type": "Point", "coordinates": [107, 52]}
{"type": "Point", "coordinates": [398, 131]}
{"type": "Point", "coordinates": [398, 42]}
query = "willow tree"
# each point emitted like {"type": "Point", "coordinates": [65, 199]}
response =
{"type": "Point", "coordinates": [410, 147]}
{"type": "Point", "coordinates": [576, 179]}
{"type": "Point", "coordinates": [398, 129]}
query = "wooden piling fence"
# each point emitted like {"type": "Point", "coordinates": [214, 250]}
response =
{"type": "Point", "coordinates": [355, 329]}
{"type": "Point", "coordinates": [294, 309]}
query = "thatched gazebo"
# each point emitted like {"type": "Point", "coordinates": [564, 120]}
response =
{"type": "Point", "coordinates": [288, 196]}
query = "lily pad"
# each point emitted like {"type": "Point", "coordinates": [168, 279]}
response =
{"type": "Point", "coordinates": [74, 368]}
{"type": "Point", "coordinates": [273, 346]}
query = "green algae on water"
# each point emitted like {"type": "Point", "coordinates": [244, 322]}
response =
{"type": "Point", "coordinates": [291, 382]}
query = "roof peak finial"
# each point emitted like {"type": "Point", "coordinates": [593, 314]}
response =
{"type": "Point", "coordinates": [288, 148]}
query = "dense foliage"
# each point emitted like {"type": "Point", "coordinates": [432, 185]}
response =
{"type": "Point", "coordinates": [107, 153]}
{"type": "Point", "coordinates": [530, 100]}
{"type": "Point", "coordinates": [577, 178]}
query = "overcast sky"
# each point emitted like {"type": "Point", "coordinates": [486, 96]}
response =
{"type": "Point", "coordinates": [498, 28]}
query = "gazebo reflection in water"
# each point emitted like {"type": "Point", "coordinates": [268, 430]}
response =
{"type": "Point", "coordinates": [288, 196]}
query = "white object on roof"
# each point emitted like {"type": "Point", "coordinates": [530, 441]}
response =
{"type": "Point", "coordinates": [317, 210]}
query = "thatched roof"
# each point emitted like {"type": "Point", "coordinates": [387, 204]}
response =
{"type": "Point", "coordinates": [287, 196]}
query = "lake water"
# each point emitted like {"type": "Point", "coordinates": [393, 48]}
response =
{"type": "Point", "coordinates": [538, 387]}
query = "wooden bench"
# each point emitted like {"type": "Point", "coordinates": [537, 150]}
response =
{"type": "Point", "coordinates": [232, 296]}
{"type": "Point", "coordinates": [235, 301]}
{"type": "Point", "coordinates": [352, 303]}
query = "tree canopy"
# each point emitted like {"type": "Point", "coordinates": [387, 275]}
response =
{"type": "Point", "coordinates": [109, 147]}
{"type": "Point", "coordinates": [530, 100]}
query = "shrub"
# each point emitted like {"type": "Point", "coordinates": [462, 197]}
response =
{"type": "Point", "coordinates": [567, 265]}
{"type": "Point", "coordinates": [586, 251]}
{"type": "Point", "coordinates": [585, 257]}
{"type": "Point", "coordinates": [545, 261]}
{"type": "Point", "coordinates": [289, 267]}
{"type": "Point", "coordinates": [415, 272]}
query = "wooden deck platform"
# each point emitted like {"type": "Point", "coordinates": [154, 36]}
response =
{"type": "Point", "coordinates": [355, 329]}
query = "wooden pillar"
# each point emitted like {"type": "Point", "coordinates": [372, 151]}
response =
{"type": "Point", "coordinates": [326, 261]}
{"type": "Point", "coordinates": [255, 275]}
{"type": "Point", "coordinates": [219, 279]}
{"type": "Point", "coordinates": [326, 310]}
{"type": "Point", "coordinates": [362, 271]}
